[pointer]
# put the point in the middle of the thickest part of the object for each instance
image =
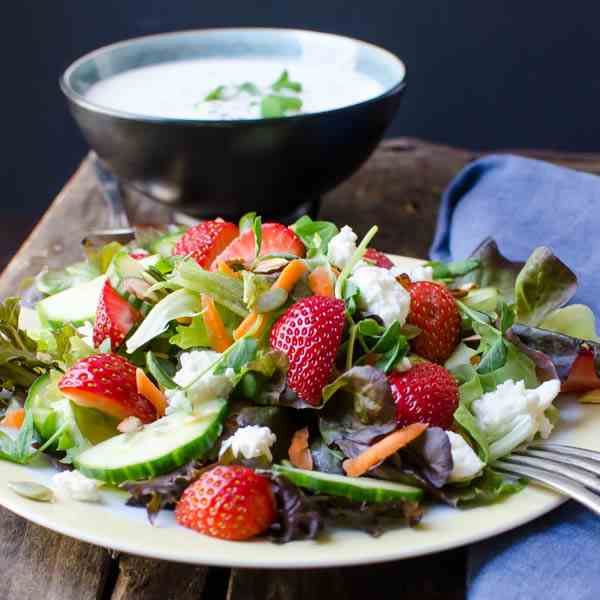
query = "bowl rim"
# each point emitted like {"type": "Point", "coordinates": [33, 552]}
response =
{"type": "Point", "coordinates": [81, 101]}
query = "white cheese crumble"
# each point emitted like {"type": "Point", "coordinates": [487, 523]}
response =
{"type": "Point", "coordinates": [512, 415]}
{"type": "Point", "coordinates": [404, 365]}
{"type": "Point", "coordinates": [86, 332]}
{"type": "Point", "coordinates": [341, 247]}
{"type": "Point", "coordinates": [129, 425]}
{"type": "Point", "coordinates": [381, 294]}
{"type": "Point", "coordinates": [251, 441]}
{"type": "Point", "coordinates": [75, 485]}
{"type": "Point", "coordinates": [418, 273]}
{"type": "Point", "coordinates": [466, 462]}
{"type": "Point", "coordinates": [207, 387]}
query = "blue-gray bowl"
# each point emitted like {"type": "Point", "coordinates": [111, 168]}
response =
{"type": "Point", "coordinates": [229, 167]}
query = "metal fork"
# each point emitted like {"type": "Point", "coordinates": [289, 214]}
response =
{"type": "Point", "coordinates": [574, 472]}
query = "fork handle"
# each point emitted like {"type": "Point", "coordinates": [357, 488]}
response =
{"type": "Point", "coordinates": [556, 482]}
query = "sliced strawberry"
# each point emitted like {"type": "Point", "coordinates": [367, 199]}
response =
{"type": "Point", "coordinates": [426, 393]}
{"type": "Point", "coordinates": [107, 383]}
{"type": "Point", "coordinates": [114, 318]}
{"type": "Point", "coordinates": [309, 332]}
{"type": "Point", "coordinates": [231, 503]}
{"type": "Point", "coordinates": [276, 238]}
{"type": "Point", "coordinates": [583, 375]}
{"type": "Point", "coordinates": [434, 311]}
{"type": "Point", "coordinates": [139, 255]}
{"type": "Point", "coordinates": [205, 241]}
{"type": "Point", "coordinates": [379, 259]}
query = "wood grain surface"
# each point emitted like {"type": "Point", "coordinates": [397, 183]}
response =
{"type": "Point", "coordinates": [399, 188]}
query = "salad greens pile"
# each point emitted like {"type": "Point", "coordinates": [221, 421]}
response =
{"type": "Point", "coordinates": [516, 332]}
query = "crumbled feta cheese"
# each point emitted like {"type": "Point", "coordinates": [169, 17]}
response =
{"type": "Point", "coordinates": [404, 365]}
{"type": "Point", "coordinates": [418, 273]}
{"type": "Point", "coordinates": [381, 294]}
{"type": "Point", "coordinates": [512, 415]}
{"type": "Point", "coordinates": [129, 425]}
{"type": "Point", "coordinates": [207, 387]}
{"type": "Point", "coordinates": [341, 247]}
{"type": "Point", "coordinates": [251, 441]}
{"type": "Point", "coordinates": [73, 484]}
{"type": "Point", "coordinates": [86, 332]}
{"type": "Point", "coordinates": [466, 462]}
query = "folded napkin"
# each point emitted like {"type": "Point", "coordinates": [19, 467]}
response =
{"type": "Point", "coordinates": [522, 204]}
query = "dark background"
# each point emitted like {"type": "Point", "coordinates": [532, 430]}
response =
{"type": "Point", "coordinates": [480, 74]}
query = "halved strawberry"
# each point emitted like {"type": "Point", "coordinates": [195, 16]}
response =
{"type": "Point", "coordinates": [114, 318]}
{"type": "Point", "coordinates": [107, 383]}
{"type": "Point", "coordinates": [276, 238]}
{"type": "Point", "coordinates": [379, 259]}
{"type": "Point", "coordinates": [309, 332]}
{"type": "Point", "coordinates": [205, 241]}
{"type": "Point", "coordinates": [583, 375]}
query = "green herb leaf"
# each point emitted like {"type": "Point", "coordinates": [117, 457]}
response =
{"type": "Point", "coordinates": [494, 358]}
{"type": "Point", "coordinates": [489, 488]}
{"type": "Point", "coordinates": [273, 106]}
{"type": "Point", "coordinates": [246, 221]}
{"type": "Point", "coordinates": [193, 335]}
{"type": "Point", "coordinates": [216, 94]}
{"type": "Point", "coordinates": [452, 269]}
{"type": "Point", "coordinates": [315, 235]}
{"type": "Point", "coordinates": [238, 356]}
{"type": "Point", "coordinates": [284, 83]}
{"type": "Point", "coordinates": [257, 229]}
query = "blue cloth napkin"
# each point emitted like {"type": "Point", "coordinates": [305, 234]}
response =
{"type": "Point", "coordinates": [524, 203]}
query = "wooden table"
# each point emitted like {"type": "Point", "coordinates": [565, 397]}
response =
{"type": "Point", "coordinates": [399, 189]}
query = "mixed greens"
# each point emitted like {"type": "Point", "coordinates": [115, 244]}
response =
{"type": "Point", "coordinates": [151, 365]}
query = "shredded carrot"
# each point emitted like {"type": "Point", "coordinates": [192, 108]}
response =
{"type": "Point", "coordinates": [391, 443]}
{"type": "Point", "coordinates": [320, 282]}
{"type": "Point", "coordinates": [14, 418]}
{"type": "Point", "coordinates": [253, 324]}
{"type": "Point", "coordinates": [220, 339]}
{"type": "Point", "coordinates": [227, 270]}
{"type": "Point", "coordinates": [290, 275]}
{"type": "Point", "coordinates": [299, 451]}
{"type": "Point", "coordinates": [146, 388]}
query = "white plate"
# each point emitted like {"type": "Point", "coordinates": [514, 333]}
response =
{"type": "Point", "coordinates": [113, 525]}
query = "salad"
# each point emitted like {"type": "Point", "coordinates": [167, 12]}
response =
{"type": "Point", "coordinates": [269, 380]}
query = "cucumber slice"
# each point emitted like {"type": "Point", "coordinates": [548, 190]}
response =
{"type": "Point", "coordinates": [165, 243]}
{"type": "Point", "coordinates": [51, 410]}
{"type": "Point", "coordinates": [75, 305]}
{"type": "Point", "coordinates": [360, 489]}
{"type": "Point", "coordinates": [125, 273]}
{"type": "Point", "coordinates": [157, 448]}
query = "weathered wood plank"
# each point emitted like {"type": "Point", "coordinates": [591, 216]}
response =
{"type": "Point", "coordinates": [424, 578]}
{"type": "Point", "coordinates": [145, 579]}
{"type": "Point", "coordinates": [36, 563]}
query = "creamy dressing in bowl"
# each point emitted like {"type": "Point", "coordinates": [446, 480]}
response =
{"type": "Point", "coordinates": [179, 89]}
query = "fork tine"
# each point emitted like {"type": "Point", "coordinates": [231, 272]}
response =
{"type": "Point", "coordinates": [583, 477]}
{"type": "Point", "coordinates": [583, 463]}
{"type": "Point", "coordinates": [569, 450]}
{"type": "Point", "coordinates": [557, 482]}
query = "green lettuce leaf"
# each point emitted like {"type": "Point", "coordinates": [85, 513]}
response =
{"type": "Point", "coordinates": [491, 487]}
{"type": "Point", "coordinates": [315, 235]}
{"type": "Point", "coordinates": [544, 284]}
{"type": "Point", "coordinates": [576, 320]}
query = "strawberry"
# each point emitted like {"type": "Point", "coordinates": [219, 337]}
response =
{"type": "Point", "coordinates": [227, 502]}
{"type": "Point", "coordinates": [107, 383]}
{"type": "Point", "coordinates": [205, 241]}
{"type": "Point", "coordinates": [379, 259]}
{"type": "Point", "coordinates": [114, 318]}
{"type": "Point", "coordinates": [582, 376]}
{"type": "Point", "coordinates": [139, 255]}
{"type": "Point", "coordinates": [309, 332]}
{"type": "Point", "coordinates": [426, 393]}
{"type": "Point", "coordinates": [276, 238]}
{"type": "Point", "coordinates": [434, 311]}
